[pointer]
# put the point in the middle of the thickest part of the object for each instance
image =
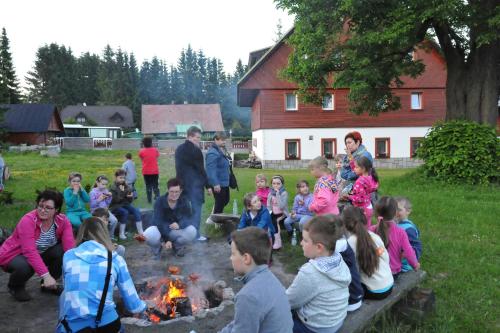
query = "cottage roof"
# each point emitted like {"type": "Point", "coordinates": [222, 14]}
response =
{"type": "Point", "coordinates": [23, 118]}
{"type": "Point", "coordinates": [106, 115]}
{"type": "Point", "coordinates": [158, 119]}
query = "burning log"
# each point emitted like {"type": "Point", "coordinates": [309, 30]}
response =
{"type": "Point", "coordinates": [183, 306]}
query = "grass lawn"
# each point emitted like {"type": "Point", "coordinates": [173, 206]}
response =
{"type": "Point", "coordinates": [457, 224]}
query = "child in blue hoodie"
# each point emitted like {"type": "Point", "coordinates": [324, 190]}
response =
{"type": "Point", "coordinates": [319, 293]}
{"type": "Point", "coordinates": [255, 214]}
{"type": "Point", "coordinates": [79, 302]}
{"type": "Point", "coordinates": [404, 210]}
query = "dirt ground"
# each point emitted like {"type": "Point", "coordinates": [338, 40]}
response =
{"type": "Point", "coordinates": [211, 260]}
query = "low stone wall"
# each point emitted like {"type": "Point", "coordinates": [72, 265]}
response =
{"type": "Point", "coordinates": [389, 163]}
{"type": "Point", "coordinates": [78, 143]}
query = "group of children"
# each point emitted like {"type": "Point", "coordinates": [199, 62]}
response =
{"type": "Point", "coordinates": [349, 258]}
{"type": "Point", "coordinates": [112, 202]}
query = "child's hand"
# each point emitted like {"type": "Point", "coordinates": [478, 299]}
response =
{"type": "Point", "coordinates": [102, 197]}
{"type": "Point", "coordinates": [293, 214]}
{"type": "Point", "coordinates": [301, 202]}
{"type": "Point", "coordinates": [76, 188]}
{"type": "Point", "coordinates": [130, 195]}
{"type": "Point", "coordinates": [417, 267]}
{"type": "Point", "coordinates": [168, 245]}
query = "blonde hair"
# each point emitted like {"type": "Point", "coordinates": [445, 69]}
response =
{"type": "Point", "coordinates": [321, 163]}
{"type": "Point", "coordinates": [94, 229]}
{"type": "Point", "coordinates": [261, 176]}
{"type": "Point", "coordinates": [403, 202]}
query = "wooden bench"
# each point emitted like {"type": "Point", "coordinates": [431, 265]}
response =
{"type": "Point", "coordinates": [371, 310]}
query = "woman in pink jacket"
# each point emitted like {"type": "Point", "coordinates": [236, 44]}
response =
{"type": "Point", "coordinates": [325, 196]}
{"type": "Point", "coordinates": [37, 246]}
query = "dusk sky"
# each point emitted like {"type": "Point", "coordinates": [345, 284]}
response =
{"type": "Point", "coordinates": [226, 29]}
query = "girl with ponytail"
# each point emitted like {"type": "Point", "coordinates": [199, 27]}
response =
{"type": "Point", "coordinates": [371, 255]}
{"type": "Point", "coordinates": [395, 239]}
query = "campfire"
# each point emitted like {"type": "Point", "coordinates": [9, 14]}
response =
{"type": "Point", "coordinates": [174, 296]}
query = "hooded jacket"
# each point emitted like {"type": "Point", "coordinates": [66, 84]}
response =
{"type": "Point", "coordinates": [319, 293]}
{"type": "Point", "coordinates": [325, 196]}
{"type": "Point", "coordinates": [84, 270]}
{"type": "Point", "coordinates": [261, 220]}
{"type": "Point", "coordinates": [362, 191]}
{"type": "Point", "coordinates": [22, 241]}
{"type": "Point", "coordinates": [75, 202]}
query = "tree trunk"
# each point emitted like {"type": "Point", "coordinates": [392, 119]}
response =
{"type": "Point", "coordinates": [472, 88]}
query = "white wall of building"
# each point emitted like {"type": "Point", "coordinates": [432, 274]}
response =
{"type": "Point", "coordinates": [271, 142]}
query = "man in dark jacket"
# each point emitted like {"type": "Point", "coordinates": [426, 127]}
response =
{"type": "Point", "coordinates": [190, 169]}
{"type": "Point", "coordinates": [171, 225]}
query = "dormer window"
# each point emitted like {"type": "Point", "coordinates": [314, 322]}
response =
{"type": "Point", "coordinates": [117, 118]}
{"type": "Point", "coordinates": [81, 119]}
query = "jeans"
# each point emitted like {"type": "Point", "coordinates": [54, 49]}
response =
{"type": "Point", "coordinates": [196, 217]}
{"type": "Point", "coordinates": [21, 271]}
{"type": "Point", "coordinates": [301, 219]}
{"type": "Point", "coordinates": [123, 212]}
{"type": "Point", "coordinates": [221, 200]}
{"type": "Point", "coordinates": [179, 238]}
{"type": "Point", "coordinates": [152, 186]}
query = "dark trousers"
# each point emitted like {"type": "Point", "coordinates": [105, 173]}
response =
{"type": "Point", "coordinates": [376, 296]}
{"type": "Point", "coordinates": [123, 212]}
{"type": "Point", "coordinates": [152, 186]}
{"type": "Point", "coordinates": [221, 200]}
{"type": "Point", "coordinates": [21, 271]}
{"type": "Point", "coordinates": [298, 325]}
{"type": "Point", "coordinates": [274, 220]}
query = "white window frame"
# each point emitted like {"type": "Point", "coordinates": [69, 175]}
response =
{"type": "Point", "coordinates": [323, 103]}
{"type": "Point", "coordinates": [296, 102]}
{"type": "Point", "coordinates": [419, 96]}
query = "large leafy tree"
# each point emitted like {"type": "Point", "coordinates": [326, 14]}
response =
{"type": "Point", "coordinates": [9, 86]}
{"type": "Point", "coordinates": [366, 45]}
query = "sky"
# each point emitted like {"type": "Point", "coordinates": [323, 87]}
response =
{"type": "Point", "coordinates": [226, 29]}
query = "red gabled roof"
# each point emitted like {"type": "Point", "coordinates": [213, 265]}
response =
{"type": "Point", "coordinates": [264, 73]}
{"type": "Point", "coordinates": [158, 119]}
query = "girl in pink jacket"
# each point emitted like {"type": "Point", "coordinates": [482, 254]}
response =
{"type": "Point", "coordinates": [325, 195]}
{"type": "Point", "coordinates": [395, 238]}
{"type": "Point", "coordinates": [365, 185]}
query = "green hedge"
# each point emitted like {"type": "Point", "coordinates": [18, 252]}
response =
{"type": "Point", "coordinates": [461, 151]}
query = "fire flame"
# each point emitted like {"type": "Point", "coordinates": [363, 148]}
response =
{"type": "Point", "coordinates": [175, 290]}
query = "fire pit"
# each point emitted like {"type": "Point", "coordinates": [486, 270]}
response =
{"type": "Point", "coordinates": [174, 297]}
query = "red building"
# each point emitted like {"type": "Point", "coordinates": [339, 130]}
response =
{"type": "Point", "coordinates": [285, 128]}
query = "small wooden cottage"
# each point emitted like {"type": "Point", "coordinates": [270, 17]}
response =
{"type": "Point", "coordinates": [31, 123]}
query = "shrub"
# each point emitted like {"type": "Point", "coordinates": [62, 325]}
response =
{"type": "Point", "coordinates": [461, 151]}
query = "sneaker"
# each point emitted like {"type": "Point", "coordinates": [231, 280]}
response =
{"type": "Point", "coordinates": [202, 239]}
{"type": "Point", "coordinates": [54, 291]}
{"type": "Point", "coordinates": [20, 294]}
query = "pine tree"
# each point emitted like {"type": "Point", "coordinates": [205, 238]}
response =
{"type": "Point", "coordinates": [134, 84]}
{"type": "Point", "coordinates": [54, 76]}
{"type": "Point", "coordinates": [238, 72]}
{"type": "Point", "coordinates": [106, 77]}
{"type": "Point", "coordinates": [176, 91]}
{"type": "Point", "coordinates": [87, 67]}
{"type": "Point", "coordinates": [9, 86]}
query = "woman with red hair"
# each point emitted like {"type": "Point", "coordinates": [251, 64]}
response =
{"type": "Point", "coordinates": [354, 150]}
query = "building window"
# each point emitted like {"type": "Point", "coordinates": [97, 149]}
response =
{"type": "Point", "coordinates": [328, 148]}
{"type": "Point", "coordinates": [328, 102]}
{"type": "Point", "coordinates": [414, 144]}
{"type": "Point", "coordinates": [81, 120]}
{"type": "Point", "coordinates": [291, 102]}
{"type": "Point", "coordinates": [292, 149]}
{"type": "Point", "coordinates": [382, 147]}
{"type": "Point", "coordinates": [416, 101]}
